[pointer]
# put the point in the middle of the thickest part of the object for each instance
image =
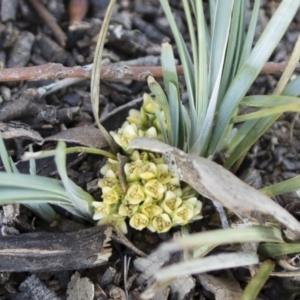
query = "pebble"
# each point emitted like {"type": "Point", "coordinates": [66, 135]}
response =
{"type": "Point", "coordinates": [20, 53]}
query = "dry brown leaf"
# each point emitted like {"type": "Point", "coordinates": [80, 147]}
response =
{"type": "Point", "coordinates": [218, 184]}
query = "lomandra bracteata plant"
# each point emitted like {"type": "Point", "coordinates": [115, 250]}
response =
{"type": "Point", "coordinates": [152, 197]}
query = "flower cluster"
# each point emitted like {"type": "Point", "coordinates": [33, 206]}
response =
{"type": "Point", "coordinates": [153, 197]}
{"type": "Point", "coordinates": [140, 123]}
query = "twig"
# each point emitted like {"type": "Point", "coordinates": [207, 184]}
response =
{"type": "Point", "coordinates": [50, 21]}
{"type": "Point", "coordinates": [55, 71]}
{"type": "Point", "coordinates": [109, 73]}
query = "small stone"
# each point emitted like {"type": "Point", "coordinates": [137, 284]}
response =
{"type": "Point", "coordinates": [6, 93]}
{"type": "Point", "coordinates": [8, 10]}
{"type": "Point", "coordinates": [20, 54]}
{"type": "Point", "coordinates": [72, 99]}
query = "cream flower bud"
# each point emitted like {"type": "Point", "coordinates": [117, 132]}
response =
{"type": "Point", "coordinates": [154, 189]}
{"type": "Point", "coordinates": [132, 170]}
{"type": "Point", "coordinates": [116, 221]}
{"type": "Point", "coordinates": [150, 210]}
{"type": "Point", "coordinates": [170, 203]}
{"type": "Point", "coordinates": [127, 210]}
{"type": "Point", "coordinates": [101, 210]}
{"type": "Point", "coordinates": [139, 221]}
{"type": "Point", "coordinates": [135, 155]}
{"type": "Point", "coordinates": [110, 165]}
{"type": "Point", "coordinates": [148, 171]}
{"type": "Point", "coordinates": [161, 223]}
{"type": "Point", "coordinates": [135, 194]}
{"type": "Point", "coordinates": [151, 133]}
{"type": "Point", "coordinates": [135, 117]}
{"type": "Point", "coordinates": [147, 105]}
{"type": "Point", "coordinates": [183, 214]}
{"type": "Point", "coordinates": [109, 195]}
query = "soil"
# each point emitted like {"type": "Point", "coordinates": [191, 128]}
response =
{"type": "Point", "coordinates": [30, 111]}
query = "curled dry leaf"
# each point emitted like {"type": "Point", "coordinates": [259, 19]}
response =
{"type": "Point", "coordinates": [218, 184]}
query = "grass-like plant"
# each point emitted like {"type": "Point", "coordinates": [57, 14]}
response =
{"type": "Point", "coordinates": [219, 68]}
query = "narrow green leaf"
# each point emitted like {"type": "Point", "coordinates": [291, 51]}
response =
{"type": "Point", "coordinates": [29, 196]}
{"type": "Point", "coordinates": [201, 76]}
{"type": "Point", "coordinates": [293, 87]}
{"type": "Point", "coordinates": [38, 183]}
{"type": "Point", "coordinates": [286, 186]}
{"type": "Point", "coordinates": [223, 236]}
{"type": "Point", "coordinates": [81, 200]}
{"type": "Point", "coordinates": [174, 112]}
{"type": "Point", "coordinates": [251, 32]}
{"type": "Point", "coordinates": [183, 53]}
{"type": "Point", "coordinates": [228, 74]}
{"type": "Point", "coordinates": [258, 280]}
{"type": "Point", "coordinates": [4, 156]}
{"type": "Point", "coordinates": [95, 78]}
{"type": "Point", "coordinates": [275, 250]}
{"type": "Point", "coordinates": [269, 100]}
{"type": "Point", "coordinates": [266, 112]}
{"type": "Point", "coordinates": [219, 40]}
{"type": "Point", "coordinates": [252, 66]}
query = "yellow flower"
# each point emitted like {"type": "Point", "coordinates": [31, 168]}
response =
{"type": "Point", "coordinates": [164, 175]}
{"type": "Point", "coordinates": [110, 165]}
{"type": "Point", "coordinates": [110, 180]}
{"type": "Point", "coordinates": [139, 221]}
{"type": "Point", "coordinates": [161, 223]}
{"type": "Point", "coordinates": [101, 210]}
{"type": "Point", "coordinates": [127, 210]}
{"type": "Point", "coordinates": [135, 194]}
{"type": "Point", "coordinates": [170, 203]}
{"type": "Point", "coordinates": [183, 214]}
{"type": "Point", "coordinates": [174, 186]}
{"type": "Point", "coordinates": [154, 189]}
{"type": "Point", "coordinates": [150, 210]}
{"type": "Point", "coordinates": [148, 171]}
{"type": "Point", "coordinates": [116, 221]}
{"type": "Point", "coordinates": [197, 204]}
{"type": "Point", "coordinates": [109, 195]}
{"type": "Point", "coordinates": [125, 134]}
{"type": "Point", "coordinates": [132, 170]}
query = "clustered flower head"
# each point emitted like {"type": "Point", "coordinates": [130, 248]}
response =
{"type": "Point", "coordinates": [154, 198]}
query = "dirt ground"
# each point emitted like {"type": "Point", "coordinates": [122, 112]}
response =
{"type": "Point", "coordinates": [136, 32]}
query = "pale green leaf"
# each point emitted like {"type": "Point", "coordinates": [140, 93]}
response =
{"type": "Point", "coordinates": [274, 250]}
{"type": "Point", "coordinates": [258, 280]}
{"type": "Point", "coordinates": [81, 200]}
{"type": "Point", "coordinates": [95, 77]}
{"type": "Point", "coordinates": [286, 186]}
{"type": "Point", "coordinates": [252, 66]}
